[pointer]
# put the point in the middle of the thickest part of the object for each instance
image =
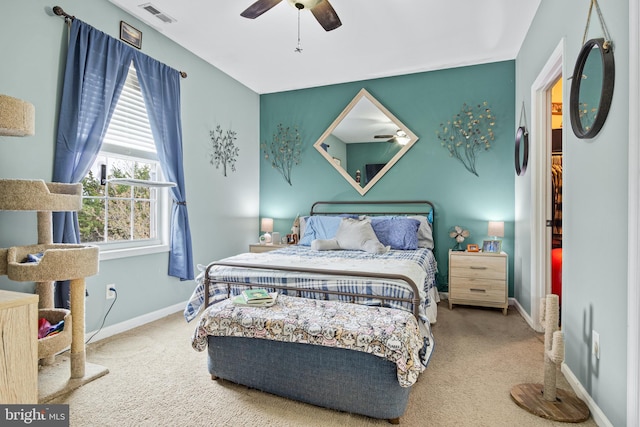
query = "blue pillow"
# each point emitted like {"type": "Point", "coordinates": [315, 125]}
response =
{"type": "Point", "coordinates": [397, 232]}
{"type": "Point", "coordinates": [319, 227]}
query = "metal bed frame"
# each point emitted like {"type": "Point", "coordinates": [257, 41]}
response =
{"type": "Point", "coordinates": [423, 207]}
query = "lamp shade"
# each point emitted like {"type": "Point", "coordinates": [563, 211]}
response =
{"type": "Point", "coordinates": [496, 228]}
{"type": "Point", "coordinates": [266, 225]}
{"type": "Point", "coordinates": [17, 117]}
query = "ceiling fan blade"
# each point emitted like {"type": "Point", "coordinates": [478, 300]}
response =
{"type": "Point", "coordinates": [258, 8]}
{"type": "Point", "coordinates": [384, 136]}
{"type": "Point", "coordinates": [326, 15]}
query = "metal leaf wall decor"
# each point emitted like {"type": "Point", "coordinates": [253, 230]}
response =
{"type": "Point", "coordinates": [468, 133]}
{"type": "Point", "coordinates": [223, 150]}
{"type": "Point", "coordinates": [283, 152]}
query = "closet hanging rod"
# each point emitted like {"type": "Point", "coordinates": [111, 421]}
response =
{"type": "Point", "coordinates": [58, 11]}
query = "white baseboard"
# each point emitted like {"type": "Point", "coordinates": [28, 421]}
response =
{"type": "Point", "coordinates": [597, 414]}
{"type": "Point", "coordinates": [135, 322]}
{"type": "Point", "coordinates": [525, 315]}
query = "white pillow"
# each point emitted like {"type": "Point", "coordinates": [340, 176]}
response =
{"type": "Point", "coordinates": [325, 245]}
{"type": "Point", "coordinates": [425, 232]}
{"type": "Point", "coordinates": [358, 235]}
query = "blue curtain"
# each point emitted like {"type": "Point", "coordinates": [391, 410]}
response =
{"type": "Point", "coordinates": [96, 69]}
{"type": "Point", "coordinates": [160, 86]}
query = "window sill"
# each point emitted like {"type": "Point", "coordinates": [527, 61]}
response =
{"type": "Point", "coordinates": [129, 252]}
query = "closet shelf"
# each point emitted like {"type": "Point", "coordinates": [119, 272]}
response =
{"type": "Point", "coordinates": [36, 195]}
{"type": "Point", "coordinates": [60, 261]}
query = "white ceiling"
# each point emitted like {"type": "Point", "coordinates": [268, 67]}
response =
{"type": "Point", "coordinates": [378, 38]}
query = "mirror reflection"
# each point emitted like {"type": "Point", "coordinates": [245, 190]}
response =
{"type": "Point", "coordinates": [364, 142]}
{"type": "Point", "coordinates": [590, 88]}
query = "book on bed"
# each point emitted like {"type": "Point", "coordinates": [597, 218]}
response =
{"type": "Point", "coordinates": [255, 298]}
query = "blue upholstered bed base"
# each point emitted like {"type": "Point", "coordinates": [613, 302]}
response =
{"type": "Point", "coordinates": [345, 380]}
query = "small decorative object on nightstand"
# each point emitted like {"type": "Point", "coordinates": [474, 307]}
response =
{"type": "Point", "coordinates": [478, 278]}
{"type": "Point", "coordinates": [458, 234]}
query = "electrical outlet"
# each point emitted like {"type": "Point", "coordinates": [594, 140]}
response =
{"type": "Point", "coordinates": [111, 294]}
{"type": "Point", "coordinates": [595, 344]}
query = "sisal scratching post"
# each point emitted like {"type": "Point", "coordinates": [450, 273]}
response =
{"type": "Point", "coordinates": [546, 400]}
{"type": "Point", "coordinates": [77, 328]}
{"type": "Point", "coordinates": [45, 289]}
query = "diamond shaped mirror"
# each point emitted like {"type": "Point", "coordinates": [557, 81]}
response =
{"type": "Point", "coordinates": [364, 142]}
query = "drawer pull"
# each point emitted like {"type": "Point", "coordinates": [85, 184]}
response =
{"type": "Point", "coordinates": [478, 290]}
{"type": "Point", "coordinates": [473, 267]}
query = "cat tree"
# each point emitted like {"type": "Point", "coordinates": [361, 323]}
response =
{"type": "Point", "coordinates": [57, 262]}
{"type": "Point", "coordinates": [545, 400]}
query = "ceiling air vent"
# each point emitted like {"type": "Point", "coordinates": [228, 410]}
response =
{"type": "Point", "coordinates": [149, 7]}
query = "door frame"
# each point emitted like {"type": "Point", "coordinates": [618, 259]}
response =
{"type": "Point", "coordinates": [541, 176]}
{"type": "Point", "coordinates": [633, 269]}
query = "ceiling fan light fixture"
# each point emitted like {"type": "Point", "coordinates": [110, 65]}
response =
{"type": "Point", "coordinates": [403, 140]}
{"type": "Point", "coordinates": [304, 4]}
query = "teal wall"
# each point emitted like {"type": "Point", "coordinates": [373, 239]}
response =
{"type": "Point", "coordinates": [421, 101]}
{"type": "Point", "coordinates": [223, 212]}
{"type": "Point", "coordinates": [595, 184]}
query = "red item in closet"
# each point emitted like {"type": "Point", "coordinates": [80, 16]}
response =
{"type": "Point", "coordinates": [556, 273]}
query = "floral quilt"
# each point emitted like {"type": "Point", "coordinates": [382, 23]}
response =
{"type": "Point", "coordinates": [385, 332]}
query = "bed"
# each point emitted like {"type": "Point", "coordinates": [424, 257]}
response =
{"type": "Point", "coordinates": [346, 283]}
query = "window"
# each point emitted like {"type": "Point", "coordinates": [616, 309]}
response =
{"type": "Point", "coordinates": [117, 216]}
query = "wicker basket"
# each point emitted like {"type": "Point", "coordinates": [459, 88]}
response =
{"type": "Point", "coordinates": [50, 346]}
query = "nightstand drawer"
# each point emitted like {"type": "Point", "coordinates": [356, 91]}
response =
{"type": "Point", "coordinates": [474, 266]}
{"type": "Point", "coordinates": [478, 290]}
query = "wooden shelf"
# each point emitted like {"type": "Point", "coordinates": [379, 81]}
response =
{"type": "Point", "coordinates": [18, 355]}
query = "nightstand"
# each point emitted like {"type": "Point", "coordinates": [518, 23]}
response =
{"type": "Point", "coordinates": [258, 248]}
{"type": "Point", "coordinates": [478, 278]}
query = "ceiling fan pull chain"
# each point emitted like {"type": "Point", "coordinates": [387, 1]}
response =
{"type": "Point", "coordinates": [299, 48]}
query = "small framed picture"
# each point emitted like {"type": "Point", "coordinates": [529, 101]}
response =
{"type": "Point", "coordinates": [472, 247]}
{"type": "Point", "coordinates": [494, 246]}
{"type": "Point", "coordinates": [130, 35]}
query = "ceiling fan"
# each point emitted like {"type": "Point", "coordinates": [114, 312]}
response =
{"type": "Point", "coordinates": [400, 137]}
{"type": "Point", "coordinates": [321, 9]}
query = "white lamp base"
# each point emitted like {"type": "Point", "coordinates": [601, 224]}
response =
{"type": "Point", "coordinates": [267, 239]}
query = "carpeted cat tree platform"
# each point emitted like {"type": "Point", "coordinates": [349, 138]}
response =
{"type": "Point", "coordinates": [53, 262]}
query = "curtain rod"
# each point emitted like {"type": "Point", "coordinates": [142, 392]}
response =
{"type": "Point", "coordinates": [58, 11]}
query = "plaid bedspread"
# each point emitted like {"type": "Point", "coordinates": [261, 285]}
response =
{"type": "Point", "coordinates": [419, 265]}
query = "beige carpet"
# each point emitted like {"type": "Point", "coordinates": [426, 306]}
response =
{"type": "Point", "coordinates": [156, 379]}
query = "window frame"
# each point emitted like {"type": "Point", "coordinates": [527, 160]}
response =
{"type": "Point", "coordinates": [120, 148]}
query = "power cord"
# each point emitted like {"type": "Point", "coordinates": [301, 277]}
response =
{"type": "Point", "coordinates": [105, 316]}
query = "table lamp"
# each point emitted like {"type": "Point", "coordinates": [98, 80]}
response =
{"type": "Point", "coordinates": [266, 225]}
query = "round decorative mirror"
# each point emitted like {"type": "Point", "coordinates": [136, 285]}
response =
{"type": "Point", "coordinates": [522, 160]}
{"type": "Point", "coordinates": [592, 88]}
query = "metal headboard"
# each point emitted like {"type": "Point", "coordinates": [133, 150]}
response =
{"type": "Point", "coordinates": [404, 207]}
